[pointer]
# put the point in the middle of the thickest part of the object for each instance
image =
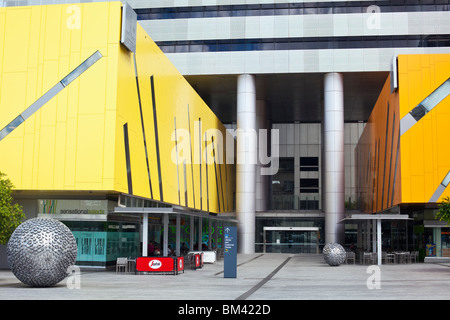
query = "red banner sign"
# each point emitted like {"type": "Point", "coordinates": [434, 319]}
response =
{"type": "Point", "coordinates": [180, 264]}
{"type": "Point", "coordinates": [155, 264]}
{"type": "Point", "coordinates": [197, 260]}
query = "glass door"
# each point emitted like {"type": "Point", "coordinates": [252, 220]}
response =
{"type": "Point", "coordinates": [291, 240]}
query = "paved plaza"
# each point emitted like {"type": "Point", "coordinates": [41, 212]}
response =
{"type": "Point", "coordinates": [259, 277]}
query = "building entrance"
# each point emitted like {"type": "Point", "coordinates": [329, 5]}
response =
{"type": "Point", "coordinates": [291, 239]}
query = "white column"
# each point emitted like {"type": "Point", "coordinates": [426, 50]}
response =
{"type": "Point", "coordinates": [178, 236]}
{"type": "Point", "coordinates": [200, 233]}
{"type": "Point", "coordinates": [379, 241]}
{"type": "Point", "coordinates": [165, 234]}
{"type": "Point", "coordinates": [374, 237]}
{"type": "Point", "coordinates": [192, 233]}
{"type": "Point", "coordinates": [216, 234]}
{"type": "Point", "coordinates": [209, 234]}
{"type": "Point", "coordinates": [333, 130]}
{"type": "Point", "coordinates": [145, 235]}
{"type": "Point", "coordinates": [246, 162]}
{"type": "Point", "coordinates": [359, 237]}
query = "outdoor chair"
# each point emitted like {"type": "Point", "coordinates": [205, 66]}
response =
{"type": "Point", "coordinates": [350, 256]}
{"type": "Point", "coordinates": [402, 257]}
{"type": "Point", "coordinates": [374, 258]}
{"type": "Point", "coordinates": [413, 256]}
{"type": "Point", "coordinates": [122, 264]}
{"type": "Point", "coordinates": [367, 256]}
{"type": "Point", "coordinates": [131, 264]}
{"type": "Point", "coordinates": [407, 257]}
{"type": "Point", "coordinates": [389, 257]}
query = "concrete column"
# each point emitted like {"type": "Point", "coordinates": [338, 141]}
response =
{"type": "Point", "coordinates": [374, 236]}
{"type": "Point", "coordinates": [379, 242]}
{"type": "Point", "coordinates": [333, 130]}
{"type": "Point", "coordinates": [200, 233]}
{"type": "Point", "coordinates": [178, 236]}
{"type": "Point", "coordinates": [246, 154]}
{"type": "Point", "coordinates": [145, 235]}
{"type": "Point", "coordinates": [165, 234]}
{"type": "Point", "coordinates": [216, 234]}
{"type": "Point", "coordinates": [368, 235]}
{"type": "Point", "coordinates": [359, 236]}
{"type": "Point", "coordinates": [209, 234]}
{"type": "Point", "coordinates": [192, 233]}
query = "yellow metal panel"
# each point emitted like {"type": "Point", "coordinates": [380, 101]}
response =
{"type": "Point", "coordinates": [108, 150]}
{"type": "Point", "coordinates": [76, 140]}
{"type": "Point", "coordinates": [378, 155]}
{"type": "Point", "coordinates": [114, 27]}
{"type": "Point", "coordinates": [27, 160]}
{"type": "Point", "coordinates": [12, 96]}
{"type": "Point", "coordinates": [111, 76]}
{"type": "Point", "coordinates": [71, 154]}
{"type": "Point", "coordinates": [52, 35]}
{"type": "Point", "coordinates": [16, 31]}
{"type": "Point", "coordinates": [93, 88]}
{"type": "Point", "coordinates": [60, 155]}
{"type": "Point", "coordinates": [11, 162]}
{"type": "Point", "coordinates": [177, 104]}
{"type": "Point", "coordinates": [89, 154]}
{"type": "Point", "coordinates": [95, 25]}
{"type": "Point", "coordinates": [425, 155]}
{"type": "Point", "coordinates": [2, 38]}
{"type": "Point", "coordinates": [46, 152]}
{"type": "Point", "coordinates": [50, 78]}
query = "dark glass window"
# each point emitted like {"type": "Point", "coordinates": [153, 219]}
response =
{"type": "Point", "coordinates": [309, 161]}
{"type": "Point", "coordinates": [290, 9]}
{"type": "Point", "coordinates": [309, 185]}
{"type": "Point", "coordinates": [309, 164]}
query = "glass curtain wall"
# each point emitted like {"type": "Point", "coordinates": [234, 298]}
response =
{"type": "Point", "coordinates": [101, 243]}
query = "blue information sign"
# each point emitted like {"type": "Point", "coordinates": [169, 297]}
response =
{"type": "Point", "coordinates": [230, 252]}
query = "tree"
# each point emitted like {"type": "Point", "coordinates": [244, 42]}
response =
{"type": "Point", "coordinates": [444, 210]}
{"type": "Point", "coordinates": [11, 215]}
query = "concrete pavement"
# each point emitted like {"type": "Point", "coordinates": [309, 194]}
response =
{"type": "Point", "coordinates": [259, 277]}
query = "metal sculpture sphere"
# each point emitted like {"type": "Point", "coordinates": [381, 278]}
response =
{"type": "Point", "coordinates": [334, 254]}
{"type": "Point", "coordinates": [40, 250]}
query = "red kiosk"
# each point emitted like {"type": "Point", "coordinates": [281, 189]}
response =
{"type": "Point", "coordinates": [160, 265]}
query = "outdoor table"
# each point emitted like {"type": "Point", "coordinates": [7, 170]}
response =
{"type": "Point", "coordinates": [400, 257]}
{"type": "Point", "coordinates": [390, 255]}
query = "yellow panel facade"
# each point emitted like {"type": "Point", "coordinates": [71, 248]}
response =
{"type": "Point", "coordinates": [425, 154]}
{"type": "Point", "coordinates": [378, 155]}
{"type": "Point", "coordinates": [173, 139]}
{"type": "Point", "coordinates": [57, 147]}
{"type": "Point", "coordinates": [104, 131]}
{"type": "Point", "coordinates": [424, 158]}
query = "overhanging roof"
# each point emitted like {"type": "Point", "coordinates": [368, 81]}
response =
{"type": "Point", "coordinates": [364, 217]}
{"type": "Point", "coordinates": [173, 210]}
{"type": "Point", "coordinates": [291, 228]}
{"type": "Point", "coordinates": [292, 97]}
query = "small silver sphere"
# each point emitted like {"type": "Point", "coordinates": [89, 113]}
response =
{"type": "Point", "coordinates": [40, 250]}
{"type": "Point", "coordinates": [334, 254]}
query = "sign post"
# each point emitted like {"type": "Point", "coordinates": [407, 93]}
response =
{"type": "Point", "coordinates": [230, 252]}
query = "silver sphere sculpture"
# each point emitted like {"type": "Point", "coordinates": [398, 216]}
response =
{"type": "Point", "coordinates": [40, 251]}
{"type": "Point", "coordinates": [334, 254]}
